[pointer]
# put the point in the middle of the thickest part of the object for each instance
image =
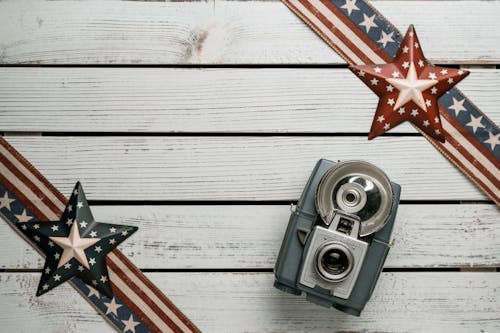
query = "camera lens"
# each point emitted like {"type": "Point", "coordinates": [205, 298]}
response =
{"type": "Point", "coordinates": [334, 262]}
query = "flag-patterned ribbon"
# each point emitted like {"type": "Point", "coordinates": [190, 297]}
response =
{"type": "Point", "coordinates": [361, 35]}
{"type": "Point", "coordinates": [138, 305]}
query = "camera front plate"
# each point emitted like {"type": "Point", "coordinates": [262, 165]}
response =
{"type": "Point", "coordinates": [309, 276]}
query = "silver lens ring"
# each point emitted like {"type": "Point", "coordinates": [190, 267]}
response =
{"type": "Point", "coordinates": [351, 198]}
{"type": "Point", "coordinates": [350, 179]}
{"type": "Point", "coordinates": [334, 261]}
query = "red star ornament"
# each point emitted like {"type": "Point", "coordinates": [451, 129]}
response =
{"type": "Point", "coordinates": [409, 89]}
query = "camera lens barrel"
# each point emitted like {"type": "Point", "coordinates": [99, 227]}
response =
{"type": "Point", "coordinates": [334, 261]}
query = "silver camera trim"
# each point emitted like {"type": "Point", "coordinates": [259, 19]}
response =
{"type": "Point", "coordinates": [310, 277]}
{"type": "Point", "coordinates": [351, 206]}
{"type": "Point", "coordinates": [323, 272]}
{"type": "Point", "coordinates": [324, 194]}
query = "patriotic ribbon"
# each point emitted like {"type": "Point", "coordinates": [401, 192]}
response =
{"type": "Point", "coordinates": [138, 305]}
{"type": "Point", "coordinates": [361, 35]}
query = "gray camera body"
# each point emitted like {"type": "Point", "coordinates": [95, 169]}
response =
{"type": "Point", "coordinates": [338, 235]}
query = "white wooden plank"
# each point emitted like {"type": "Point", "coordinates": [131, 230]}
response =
{"type": "Point", "coordinates": [62, 311]}
{"type": "Point", "coordinates": [230, 302]}
{"type": "Point", "coordinates": [202, 100]}
{"type": "Point", "coordinates": [233, 168]}
{"type": "Point", "coordinates": [242, 237]}
{"type": "Point", "coordinates": [223, 32]}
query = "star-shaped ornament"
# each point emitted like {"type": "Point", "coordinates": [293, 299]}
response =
{"type": "Point", "coordinates": [78, 248]}
{"type": "Point", "coordinates": [409, 89]}
{"type": "Point", "coordinates": [5, 201]}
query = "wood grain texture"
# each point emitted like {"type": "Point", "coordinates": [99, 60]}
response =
{"type": "Point", "coordinates": [232, 302]}
{"type": "Point", "coordinates": [232, 168]}
{"type": "Point", "coordinates": [223, 32]}
{"type": "Point", "coordinates": [242, 237]}
{"type": "Point", "coordinates": [208, 168]}
{"type": "Point", "coordinates": [209, 100]}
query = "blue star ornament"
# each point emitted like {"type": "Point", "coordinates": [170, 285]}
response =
{"type": "Point", "coordinates": [76, 245]}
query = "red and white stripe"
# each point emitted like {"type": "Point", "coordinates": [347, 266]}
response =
{"type": "Point", "coordinates": [129, 283]}
{"type": "Point", "coordinates": [461, 147]}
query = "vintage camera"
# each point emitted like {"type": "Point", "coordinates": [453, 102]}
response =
{"type": "Point", "coordinates": [338, 235]}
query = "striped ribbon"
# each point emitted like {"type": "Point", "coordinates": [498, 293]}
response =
{"type": "Point", "coordinates": [346, 25]}
{"type": "Point", "coordinates": [140, 300]}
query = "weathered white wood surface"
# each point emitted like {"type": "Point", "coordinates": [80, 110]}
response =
{"type": "Point", "coordinates": [215, 32]}
{"type": "Point", "coordinates": [233, 302]}
{"type": "Point", "coordinates": [207, 168]}
{"type": "Point", "coordinates": [242, 237]}
{"type": "Point", "coordinates": [232, 168]}
{"type": "Point", "coordinates": [268, 100]}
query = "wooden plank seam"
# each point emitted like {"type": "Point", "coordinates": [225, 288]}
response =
{"type": "Point", "coordinates": [35, 198]}
{"type": "Point", "coordinates": [473, 151]}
